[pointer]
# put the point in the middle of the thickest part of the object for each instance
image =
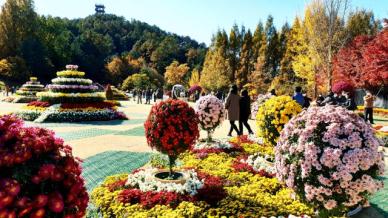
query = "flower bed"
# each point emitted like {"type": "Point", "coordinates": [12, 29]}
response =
{"type": "Point", "coordinates": [44, 112]}
{"type": "Point", "coordinates": [70, 81]}
{"type": "Point", "coordinates": [229, 192]}
{"type": "Point", "coordinates": [256, 164]}
{"type": "Point", "coordinates": [39, 175]}
{"type": "Point", "coordinates": [59, 97]}
{"type": "Point", "coordinates": [204, 148]}
{"type": "Point", "coordinates": [379, 111]}
{"type": "Point", "coordinates": [72, 88]}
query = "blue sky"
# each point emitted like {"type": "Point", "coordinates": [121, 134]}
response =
{"type": "Point", "coordinates": [198, 19]}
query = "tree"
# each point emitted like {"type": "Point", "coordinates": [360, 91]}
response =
{"type": "Point", "coordinates": [305, 62]}
{"type": "Point", "coordinates": [194, 79]}
{"type": "Point", "coordinates": [283, 42]}
{"type": "Point", "coordinates": [137, 80]}
{"type": "Point", "coordinates": [156, 79]}
{"type": "Point", "coordinates": [361, 22]}
{"type": "Point", "coordinates": [216, 71]}
{"type": "Point", "coordinates": [293, 47]}
{"type": "Point", "coordinates": [375, 56]}
{"type": "Point", "coordinates": [175, 73]}
{"type": "Point", "coordinates": [235, 39]}
{"type": "Point", "coordinates": [326, 33]}
{"type": "Point", "coordinates": [164, 54]}
{"type": "Point", "coordinates": [245, 65]}
{"type": "Point", "coordinates": [55, 34]}
{"type": "Point", "coordinates": [259, 78]}
{"type": "Point", "coordinates": [117, 70]}
{"type": "Point", "coordinates": [18, 22]}
{"type": "Point", "coordinates": [348, 62]}
{"type": "Point", "coordinates": [13, 69]}
{"type": "Point", "coordinates": [272, 54]}
{"type": "Point", "coordinates": [258, 41]}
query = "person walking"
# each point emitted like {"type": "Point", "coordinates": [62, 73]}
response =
{"type": "Point", "coordinates": [148, 96]}
{"type": "Point", "coordinates": [298, 96]}
{"type": "Point", "coordinates": [140, 96]}
{"type": "Point", "coordinates": [368, 106]}
{"type": "Point", "coordinates": [245, 112]}
{"type": "Point", "coordinates": [232, 105]}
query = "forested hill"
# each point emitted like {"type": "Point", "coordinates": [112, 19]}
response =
{"type": "Point", "coordinates": [44, 44]}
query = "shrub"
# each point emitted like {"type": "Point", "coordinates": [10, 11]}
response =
{"type": "Point", "coordinates": [211, 113]}
{"type": "Point", "coordinates": [330, 157]}
{"type": "Point", "coordinates": [273, 115]}
{"type": "Point", "coordinates": [341, 86]}
{"type": "Point", "coordinates": [39, 176]}
{"type": "Point", "coordinates": [171, 128]}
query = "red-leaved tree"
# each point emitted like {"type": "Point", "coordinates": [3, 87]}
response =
{"type": "Point", "coordinates": [363, 62]}
{"type": "Point", "coordinates": [375, 56]}
{"type": "Point", "coordinates": [348, 63]}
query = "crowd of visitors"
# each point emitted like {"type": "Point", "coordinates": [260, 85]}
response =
{"type": "Point", "coordinates": [148, 94]}
{"type": "Point", "coordinates": [239, 106]}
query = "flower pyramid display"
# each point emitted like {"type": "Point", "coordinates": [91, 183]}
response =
{"type": "Point", "coordinates": [39, 176]}
{"type": "Point", "coordinates": [71, 98]}
{"type": "Point", "coordinates": [330, 157]}
{"type": "Point", "coordinates": [27, 92]}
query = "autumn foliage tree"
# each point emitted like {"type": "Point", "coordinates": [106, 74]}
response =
{"type": "Point", "coordinates": [376, 60]}
{"type": "Point", "coordinates": [348, 63]}
{"type": "Point", "coordinates": [363, 61]}
{"type": "Point", "coordinates": [175, 73]}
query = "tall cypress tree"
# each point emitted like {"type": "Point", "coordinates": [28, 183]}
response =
{"type": "Point", "coordinates": [246, 65]}
{"type": "Point", "coordinates": [272, 57]}
{"type": "Point", "coordinates": [234, 50]}
{"type": "Point", "coordinates": [283, 38]}
{"type": "Point", "coordinates": [258, 41]}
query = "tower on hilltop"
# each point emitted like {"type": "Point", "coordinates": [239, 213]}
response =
{"type": "Point", "coordinates": [100, 8]}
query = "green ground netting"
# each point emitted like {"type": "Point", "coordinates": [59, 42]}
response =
{"type": "Point", "coordinates": [98, 167]}
{"type": "Point", "coordinates": [380, 199]}
{"type": "Point", "coordinates": [137, 131]}
{"type": "Point", "coordinates": [92, 123]}
{"type": "Point", "coordinates": [82, 134]}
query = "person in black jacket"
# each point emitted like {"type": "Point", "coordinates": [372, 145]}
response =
{"type": "Point", "coordinates": [245, 112]}
{"type": "Point", "coordinates": [348, 102]}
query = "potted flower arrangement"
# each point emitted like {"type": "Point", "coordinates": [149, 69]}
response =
{"type": "Point", "coordinates": [211, 113]}
{"type": "Point", "coordinates": [273, 115]}
{"type": "Point", "coordinates": [330, 157]}
{"type": "Point", "coordinates": [171, 128]}
{"type": "Point", "coordinates": [39, 176]}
